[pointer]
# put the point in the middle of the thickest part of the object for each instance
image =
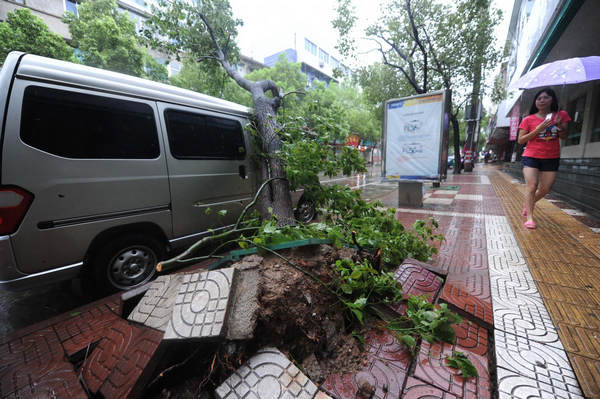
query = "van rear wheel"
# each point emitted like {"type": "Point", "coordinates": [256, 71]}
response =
{"type": "Point", "coordinates": [127, 262]}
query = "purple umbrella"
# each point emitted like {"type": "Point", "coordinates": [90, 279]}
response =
{"type": "Point", "coordinates": [563, 72]}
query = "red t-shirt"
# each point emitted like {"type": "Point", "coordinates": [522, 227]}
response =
{"type": "Point", "coordinates": [545, 145]}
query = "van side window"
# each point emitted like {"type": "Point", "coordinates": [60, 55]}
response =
{"type": "Point", "coordinates": [77, 125]}
{"type": "Point", "coordinates": [196, 136]}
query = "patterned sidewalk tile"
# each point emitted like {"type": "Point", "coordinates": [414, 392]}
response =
{"type": "Point", "coordinates": [417, 280]}
{"type": "Point", "coordinates": [155, 308]}
{"type": "Point", "coordinates": [432, 268]}
{"type": "Point", "coordinates": [526, 317]}
{"type": "Point", "coordinates": [268, 374]}
{"type": "Point", "coordinates": [130, 375]}
{"type": "Point", "coordinates": [115, 341]}
{"type": "Point", "coordinates": [28, 359]}
{"type": "Point", "coordinates": [514, 386]}
{"type": "Point", "coordinates": [416, 389]}
{"type": "Point", "coordinates": [385, 370]}
{"type": "Point", "coordinates": [60, 382]}
{"type": "Point", "coordinates": [469, 197]}
{"type": "Point", "coordinates": [431, 364]}
{"type": "Point", "coordinates": [545, 364]}
{"type": "Point", "coordinates": [470, 292]}
{"type": "Point", "coordinates": [84, 328]}
{"type": "Point", "coordinates": [201, 305]}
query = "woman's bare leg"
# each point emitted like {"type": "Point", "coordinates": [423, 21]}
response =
{"type": "Point", "coordinates": [531, 183]}
{"type": "Point", "coordinates": [546, 182]}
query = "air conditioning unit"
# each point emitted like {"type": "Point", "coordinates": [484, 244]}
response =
{"type": "Point", "coordinates": [321, 64]}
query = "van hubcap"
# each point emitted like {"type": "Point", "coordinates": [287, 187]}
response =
{"type": "Point", "coordinates": [132, 266]}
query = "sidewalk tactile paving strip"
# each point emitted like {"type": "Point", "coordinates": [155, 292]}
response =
{"type": "Point", "coordinates": [155, 308]}
{"type": "Point", "coordinates": [386, 368]}
{"type": "Point", "coordinates": [201, 305]}
{"type": "Point", "coordinates": [268, 374]}
{"type": "Point", "coordinates": [560, 253]}
{"type": "Point", "coordinates": [432, 369]}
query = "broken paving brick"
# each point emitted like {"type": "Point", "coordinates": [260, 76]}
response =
{"type": "Point", "coordinates": [201, 306]}
{"type": "Point", "coordinates": [155, 308]}
{"type": "Point", "coordinates": [245, 305]}
{"type": "Point", "coordinates": [268, 374]}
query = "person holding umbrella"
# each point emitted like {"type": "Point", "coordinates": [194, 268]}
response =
{"type": "Point", "coordinates": [540, 130]}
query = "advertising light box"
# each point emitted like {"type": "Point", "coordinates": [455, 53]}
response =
{"type": "Point", "coordinates": [414, 134]}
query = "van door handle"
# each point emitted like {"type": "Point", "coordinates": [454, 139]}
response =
{"type": "Point", "coordinates": [242, 171]}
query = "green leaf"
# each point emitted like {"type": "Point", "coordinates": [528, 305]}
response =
{"type": "Point", "coordinates": [222, 212]}
{"type": "Point", "coordinates": [208, 211]}
{"type": "Point", "coordinates": [358, 313]}
{"type": "Point", "coordinates": [346, 288]}
{"type": "Point", "coordinates": [460, 361]}
{"type": "Point", "coordinates": [408, 340]}
{"type": "Point", "coordinates": [430, 315]}
{"type": "Point", "coordinates": [270, 228]}
{"type": "Point", "coordinates": [356, 274]}
{"type": "Point", "coordinates": [361, 302]}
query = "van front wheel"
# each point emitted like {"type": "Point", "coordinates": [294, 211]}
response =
{"type": "Point", "coordinates": [127, 262]}
{"type": "Point", "coordinates": [306, 210]}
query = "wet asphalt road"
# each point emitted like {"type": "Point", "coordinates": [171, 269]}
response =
{"type": "Point", "coordinates": [23, 308]}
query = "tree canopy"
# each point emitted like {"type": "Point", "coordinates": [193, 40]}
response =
{"type": "Point", "coordinates": [106, 38]}
{"type": "Point", "coordinates": [23, 31]}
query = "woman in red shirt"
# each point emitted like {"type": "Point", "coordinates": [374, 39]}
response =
{"type": "Point", "coordinates": [541, 130]}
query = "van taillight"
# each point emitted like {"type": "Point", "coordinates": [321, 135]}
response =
{"type": "Point", "coordinates": [14, 202]}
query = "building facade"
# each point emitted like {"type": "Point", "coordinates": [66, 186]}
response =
{"type": "Point", "coordinates": [540, 32]}
{"type": "Point", "coordinates": [316, 62]}
{"type": "Point", "coordinates": [51, 11]}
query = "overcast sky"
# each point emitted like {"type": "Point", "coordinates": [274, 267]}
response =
{"type": "Point", "coordinates": [269, 25]}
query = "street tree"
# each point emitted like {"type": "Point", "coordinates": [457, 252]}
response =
{"type": "Point", "coordinates": [433, 46]}
{"type": "Point", "coordinates": [23, 31]}
{"type": "Point", "coordinates": [106, 38]}
{"type": "Point", "coordinates": [207, 31]}
{"type": "Point", "coordinates": [209, 78]}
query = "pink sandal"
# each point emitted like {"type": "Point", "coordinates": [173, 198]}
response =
{"type": "Point", "coordinates": [524, 213]}
{"type": "Point", "coordinates": [530, 224]}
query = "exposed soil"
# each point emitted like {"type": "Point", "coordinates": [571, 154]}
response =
{"type": "Point", "coordinates": [298, 315]}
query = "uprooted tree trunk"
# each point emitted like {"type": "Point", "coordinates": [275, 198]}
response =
{"type": "Point", "coordinates": [276, 195]}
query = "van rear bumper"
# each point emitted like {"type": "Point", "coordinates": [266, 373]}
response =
{"type": "Point", "coordinates": [13, 280]}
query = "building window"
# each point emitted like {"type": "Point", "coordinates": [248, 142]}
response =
{"type": "Point", "coordinates": [310, 47]}
{"type": "Point", "coordinates": [576, 110]}
{"type": "Point", "coordinates": [323, 56]}
{"type": "Point", "coordinates": [71, 5]}
{"type": "Point", "coordinates": [334, 63]}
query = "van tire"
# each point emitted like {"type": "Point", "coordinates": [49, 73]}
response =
{"type": "Point", "coordinates": [305, 211]}
{"type": "Point", "coordinates": [126, 262]}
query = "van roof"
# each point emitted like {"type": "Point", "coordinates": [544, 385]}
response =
{"type": "Point", "coordinates": [48, 69]}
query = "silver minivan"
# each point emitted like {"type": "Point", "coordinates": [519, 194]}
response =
{"type": "Point", "coordinates": [105, 172]}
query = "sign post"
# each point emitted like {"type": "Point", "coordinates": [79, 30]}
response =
{"type": "Point", "coordinates": [414, 134]}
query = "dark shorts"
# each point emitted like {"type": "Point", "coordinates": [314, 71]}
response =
{"type": "Point", "coordinates": [544, 165]}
